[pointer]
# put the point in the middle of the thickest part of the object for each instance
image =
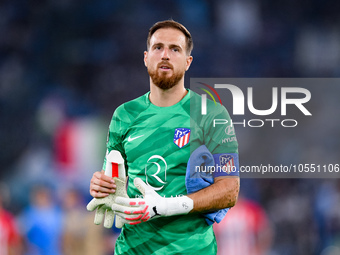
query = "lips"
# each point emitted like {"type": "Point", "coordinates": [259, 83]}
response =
{"type": "Point", "coordinates": [165, 66]}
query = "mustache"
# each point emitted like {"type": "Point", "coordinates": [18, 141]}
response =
{"type": "Point", "coordinates": [165, 63]}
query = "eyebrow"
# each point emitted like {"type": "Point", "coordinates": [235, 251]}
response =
{"type": "Point", "coordinates": [171, 46]}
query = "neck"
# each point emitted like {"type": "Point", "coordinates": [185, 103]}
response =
{"type": "Point", "coordinates": [169, 97]}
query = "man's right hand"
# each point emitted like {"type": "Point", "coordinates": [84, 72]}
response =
{"type": "Point", "coordinates": [101, 185]}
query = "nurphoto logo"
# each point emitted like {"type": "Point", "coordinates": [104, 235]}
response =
{"type": "Point", "coordinates": [281, 98]}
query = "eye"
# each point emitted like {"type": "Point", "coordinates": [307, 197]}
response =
{"type": "Point", "coordinates": [175, 49]}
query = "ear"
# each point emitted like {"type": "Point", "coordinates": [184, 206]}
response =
{"type": "Point", "coordinates": [188, 62]}
{"type": "Point", "coordinates": [145, 58]}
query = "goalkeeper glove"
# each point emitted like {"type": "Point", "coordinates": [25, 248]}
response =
{"type": "Point", "coordinates": [115, 168]}
{"type": "Point", "coordinates": [138, 210]}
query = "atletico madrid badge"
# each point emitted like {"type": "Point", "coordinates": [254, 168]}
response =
{"type": "Point", "coordinates": [182, 136]}
{"type": "Point", "coordinates": [227, 163]}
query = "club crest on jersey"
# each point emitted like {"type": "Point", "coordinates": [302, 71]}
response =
{"type": "Point", "coordinates": [227, 163]}
{"type": "Point", "coordinates": [182, 136]}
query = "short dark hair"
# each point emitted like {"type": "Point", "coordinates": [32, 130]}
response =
{"type": "Point", "coordinates": [172, 24]}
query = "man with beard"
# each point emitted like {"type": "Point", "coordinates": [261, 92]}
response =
{"type": "Point", "coordinates": [156, 135]}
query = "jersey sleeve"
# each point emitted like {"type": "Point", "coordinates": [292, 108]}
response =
{"type": "Point", "coordinates": [219, 134]}
{"type": "Point", "coordinates": [220, 139]}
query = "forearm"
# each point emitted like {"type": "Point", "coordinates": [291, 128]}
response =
{"type": "Point", "coordinates": [221, 194]}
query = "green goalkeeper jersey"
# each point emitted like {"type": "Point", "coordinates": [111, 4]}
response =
{"type": "Point", "coordinates": [156, 143]}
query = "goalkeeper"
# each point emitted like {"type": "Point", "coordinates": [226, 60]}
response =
{"type": "Point", "coordinates": [170, 209]}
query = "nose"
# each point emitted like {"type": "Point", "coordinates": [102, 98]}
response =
{"type": "Point", "coordinates": [165, 55]}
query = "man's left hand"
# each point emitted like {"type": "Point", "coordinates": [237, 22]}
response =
{"type": "Point", "coordinates": [137, 210]}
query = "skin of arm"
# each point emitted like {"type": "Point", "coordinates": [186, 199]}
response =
{"type": "Point", "coordinates": [223, 193]}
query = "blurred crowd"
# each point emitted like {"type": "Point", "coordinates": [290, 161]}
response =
{"type": "Point", "coordinates": [65, 65]}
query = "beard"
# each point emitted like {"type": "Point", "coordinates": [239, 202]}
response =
{"type": "Point", "coordinates": [161, 80]}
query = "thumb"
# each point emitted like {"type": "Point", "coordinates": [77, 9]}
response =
{"type": "Point", "coordinates": [140, 185]}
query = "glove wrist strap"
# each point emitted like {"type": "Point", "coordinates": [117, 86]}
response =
{"type": "Point", "coordinates": [179, 205]}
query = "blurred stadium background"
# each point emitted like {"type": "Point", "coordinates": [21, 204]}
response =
{"type": "Point", "coordinates": [65, 65]}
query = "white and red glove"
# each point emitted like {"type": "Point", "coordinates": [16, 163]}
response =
{"type": "Point", "coordinates": [137, 210]}
{"type": "Point", "coordinates": [116, 169]}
